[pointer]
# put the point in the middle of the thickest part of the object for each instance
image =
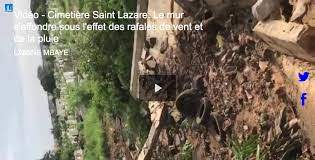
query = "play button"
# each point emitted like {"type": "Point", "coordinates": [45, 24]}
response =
{"type": "Point", "coordinates": [157, 88]}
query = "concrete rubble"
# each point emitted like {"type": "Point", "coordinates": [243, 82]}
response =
{"type": "Point", "coordinates": [293, 38]}
{"type": "Point", "coordinates": [290, 38]}
{"type": "Point", "coordinates": [308, 16]}
{"type": "Point", "coordinates": [264, 8]}
{"type": "Point", "coordinates": [300, 8]}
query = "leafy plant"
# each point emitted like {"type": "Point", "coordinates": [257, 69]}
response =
{"type": "Point", "coordinates": [244, 150]}
{"type": "Point", "coordinates": [186, 151]}
{"type": "Point", "coordinates": [80, 94]}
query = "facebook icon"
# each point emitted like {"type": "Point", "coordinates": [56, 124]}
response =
{"type": "Point", "coordinates": [8, 7]}
{"type": "Point", "coordinates": [303, 98]}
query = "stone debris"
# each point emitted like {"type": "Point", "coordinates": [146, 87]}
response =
{"type": "Point", "coordinates": [144, 54]}
{"type": "Point", "coordinates": [300, 8]}
{"type": "Point", "coordinates": [305, 10]}
{"type": "Point", "coordinates": [264, 8]}
{"type": "Point", "coordinates": [144, 69]}
{"type": "Point", "coordinates": [295, 38]}
{"type": "Point", "coordinates": [289, 38]}
{"type": "Point", "coordinates": [309, 17]}
{"type": "Point", "coordinates": [151, 64]}
{"type": "Point", "coordinates": [141, 67]}
{"type": "Point", "coordinates": [149, 57]}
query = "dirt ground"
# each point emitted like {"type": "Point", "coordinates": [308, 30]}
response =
{"type": "Point", "coordinates": [247, 84]}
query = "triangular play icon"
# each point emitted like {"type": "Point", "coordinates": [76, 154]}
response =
{"type": "Point", "coordinates": [157, 88]}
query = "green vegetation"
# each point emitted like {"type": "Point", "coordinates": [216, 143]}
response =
{"type": "Point", "coordinates": [93, 136]}
{"type": "Point", "coordinates": [57, 132]}
{"type": "Point", "coordinates": [40, 7]}
{"type": "Point", "coordinates": [101, 63]}
{"type": "Point", "coordinates": [91, 94]}
{"type": "Point", "coordinates": [245, 149]}
{"type": "Point", "coordinates": [186, 151]}
{"type": "Point", "coordinates": [49, 156]}
{"type": "Point", "coordinates": [66, 150]}
{"type": "Point", "coordinates": [47, 79]}
{"type": "Point", "coordinates": [86, 93]}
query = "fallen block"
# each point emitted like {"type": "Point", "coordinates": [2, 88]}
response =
{"type": "Point", "coordinates": [304, 9]}
{"type": "Point", "coordinates": [262, 9]}
{"type": "Point", "coordinates": [289, 38]}
{"type": "Point", "coordinates": [299, 9]}
{"type": "Point", "coordinates": [309, 17]}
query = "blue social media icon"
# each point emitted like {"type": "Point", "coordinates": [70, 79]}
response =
{"type": "Point", "coordinates": [303, 76]}
{"type": "Point", "coordinates": [303, 98]}
{"type": "Point", "coordinates": [8, 7]}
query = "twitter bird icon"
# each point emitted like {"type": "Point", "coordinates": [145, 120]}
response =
{"type": "Point", "coordinates": [303, 76]}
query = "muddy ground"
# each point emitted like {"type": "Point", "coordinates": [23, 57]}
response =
{"type": "Point", "coordinates": [245, 86]}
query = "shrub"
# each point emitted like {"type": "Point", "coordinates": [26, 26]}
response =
{"type": "Point", "coordinates": [66, 150]}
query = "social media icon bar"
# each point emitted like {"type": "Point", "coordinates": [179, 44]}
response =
{"type": "Point", "coordinates": [8, 7]}
{"type": "Point", "coordinates": [157, 87]}
{"type": "Point", "coordinates": [303, 76]}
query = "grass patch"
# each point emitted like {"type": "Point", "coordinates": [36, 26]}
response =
{"type": "Point", "coordinates": [93, 136]}
{"type": "Point", "coordinates": [244, 150]}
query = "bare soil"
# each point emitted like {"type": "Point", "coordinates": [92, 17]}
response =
{"type": "Point", "coordinates": [245, 83]}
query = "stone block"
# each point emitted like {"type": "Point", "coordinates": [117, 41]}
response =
{"type": "Point", "coordinates": [289, 38]}
{"type": "Point", "coordinates": [262, 9]}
